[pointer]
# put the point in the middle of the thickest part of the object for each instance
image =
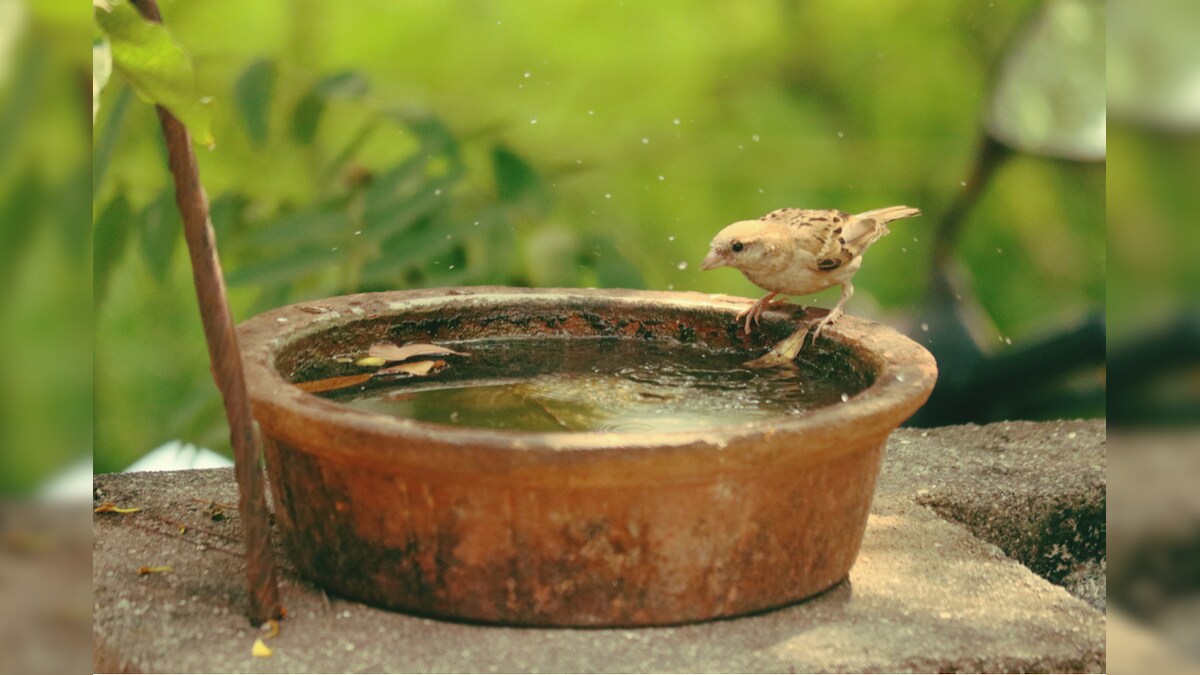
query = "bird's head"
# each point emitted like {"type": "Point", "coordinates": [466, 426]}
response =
{"type": "Point", "coordinates": [746, 245]}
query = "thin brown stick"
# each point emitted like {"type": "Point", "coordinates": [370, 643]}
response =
{"type": "Point", "coordinates": [225, 357]}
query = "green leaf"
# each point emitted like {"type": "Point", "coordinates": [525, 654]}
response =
{"type": "Point", "coordinates": [157, 68]}
{"type": "Point", "coordinates": [285, 268]}
{"type": "Point", "coordinates": [306, 117]}
{"type": "Point", "coordinates": [517, 183]}
{"type": "Point", "coordinates": [613, 269]}
{"type": "Point", "coordinates": [21, 210]}
{"type": "Point", "coordinates": [160, 229]}
{"type": "Point", "coordinates": [252, 94]}
{"type": "Point", "coordinates": [101, 70]}
{"type": "Point", "coordinates": [324, 223]}
{"type": "Point", "coordinates": [345, 86]}
{"type": "Point", "coordinates": [109, 241]}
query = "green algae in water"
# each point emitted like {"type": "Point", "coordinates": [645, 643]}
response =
{"type": "Point", "coordinates": [609, 384]}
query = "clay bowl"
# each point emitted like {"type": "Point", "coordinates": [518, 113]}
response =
{"type": "Point", "coordinates": [569, 529]}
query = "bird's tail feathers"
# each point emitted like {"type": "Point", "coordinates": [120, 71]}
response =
{"type": "Point", "coordinates": [890, 213]}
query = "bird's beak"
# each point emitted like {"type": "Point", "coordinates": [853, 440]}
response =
{"type": "Point", "coordinates": [713, 260]}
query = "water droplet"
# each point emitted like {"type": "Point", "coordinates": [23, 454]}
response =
{"type": "Point", "coordinates": [334, 248]}
{"type": "Point", "coordinates": [645, 140]}
{"type": "Point", "coordinates": [449, 237]}
{"type": "Point", "coordinates": [682, 265]}
{"type": "Point", "coordinates": [579, 161]}
{"type": "Point", "coordinates": [591, 112]}
{"type": "Point", "coordinates": [608, 195]}
{"type": "Point", "coordinates": [528, 74]}
{"type": "Point", "coordinates": [845, 397]}
{"type": "Point", "coordinates": [450, 267]}
{"type": "Point", "coordinates": [925, 326]}
{"type": "Point", "coordinates": [661, 177]}
{"type": "Point", "coordinates": [760, 191]}
{"type": "Point", "coordinates": [754, 138]}
{"type": "Point", "coordinates": [841, 134]}
{"type": "Point", "coordinates": [962, 183]}
{"type": "Point", "coordinates": [533, 121]}
{"type": "Point", "coordinates": [741, 147]}
{"type": "Point", "coordinates": [477, 222]}
{"type": "Point", "coordinates": [437, 191]}
{"type": "Point", "coordinates": [915, 239]}
{"type": "Point", "coordinates": [670, 287]}
{"type": "Point", "coordinates": [1008, 341]}
{"type": "Point", "coordinates": [357, 232]}
{"type": "Point", "coordinates": [671, 238]}
{"type": "Point", "coordinates": [999, 250]}
{"type": "Point", "coordinates": [676, 121]}
{"type": "Point", "coordinates": [903, 249]}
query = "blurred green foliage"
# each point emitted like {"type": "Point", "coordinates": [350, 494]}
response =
{"type": "Point", "coordinates": [45, 315]}
{"type": "Point", "coordinates": [382, 145]}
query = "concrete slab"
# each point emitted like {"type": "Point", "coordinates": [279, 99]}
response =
{"type": "Point", "coordinates": [929, 593]}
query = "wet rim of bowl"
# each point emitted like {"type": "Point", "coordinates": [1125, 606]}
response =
{"type": "Point", "coordinates": [903, 383]}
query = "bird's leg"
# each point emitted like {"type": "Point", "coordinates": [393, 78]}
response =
{"type": "Point", "coordinates": [835, 313]}
{"type": "Point", "coordinates": [754, 311]}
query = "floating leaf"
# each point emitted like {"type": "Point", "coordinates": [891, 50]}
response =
{"type": "Point", "coordinates": [157, 68]}
{"type": "Point", "coordinates": [157, 569]}
{"type": "Point", "coordinates": [260, 649]}
{"type": "Point", "coordinates": [389, 351]}
{"type": "Point", "coordinates": [416, 368]}
{"type": "Point", "coordinates": [332, 383]}
{"type": "Point", "coordinates": [109, 507]}
{"type": "Point", "coordinates": [252, 93]}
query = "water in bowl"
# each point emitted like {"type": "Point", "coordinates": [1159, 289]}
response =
{"type": "Point", "coordinates": [608, 384]}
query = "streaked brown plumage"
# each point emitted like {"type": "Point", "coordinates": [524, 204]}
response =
{"type": "Point", "coordinates": [801, 251]}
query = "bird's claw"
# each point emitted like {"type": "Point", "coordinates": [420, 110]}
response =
{"type": "Point", "coordinates": [820, 326]}
{"type": "Point", "coordinates": [753, 313]}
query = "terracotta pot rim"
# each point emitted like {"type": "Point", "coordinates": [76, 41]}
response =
{"type": "Point", "coordinates": [906, 376]}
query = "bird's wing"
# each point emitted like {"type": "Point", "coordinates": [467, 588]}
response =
{"type": "Point", "coordinates": [820, 233]}
{"type": "Point", "coordinates": [834, 238]}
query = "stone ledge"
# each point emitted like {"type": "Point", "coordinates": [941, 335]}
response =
{"type": "Point", "coordinates": [927, 593]}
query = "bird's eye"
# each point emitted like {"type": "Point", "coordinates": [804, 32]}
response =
{"type": "Point", "coordinates": [737, 247]}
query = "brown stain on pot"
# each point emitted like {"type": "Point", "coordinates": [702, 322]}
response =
{"type": "Point", "coordinates": [569, 529]}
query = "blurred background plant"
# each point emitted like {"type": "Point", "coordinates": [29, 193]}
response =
{"type": "Point", "coordinates": [1154, 338]}
{"type": "Point", "coordinates": [580, 144]}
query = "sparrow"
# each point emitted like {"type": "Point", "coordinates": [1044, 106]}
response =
{"type": "Point", "coordinates": [799, 252]}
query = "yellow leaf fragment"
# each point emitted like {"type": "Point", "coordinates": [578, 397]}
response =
{"type": "Point", "coordinates": [109, 507]}
{"type": "Point", "coordinates": [370, 362]}
{"type": "Point", "coordinates": [260, 649]}
{"type": "Point", "coordinates": [417, 368]}
{"type": "Point", "coordinates": [271, 628]}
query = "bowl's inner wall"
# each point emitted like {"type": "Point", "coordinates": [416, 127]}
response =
{"type": "Point", "coordinates": [314, 356]}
